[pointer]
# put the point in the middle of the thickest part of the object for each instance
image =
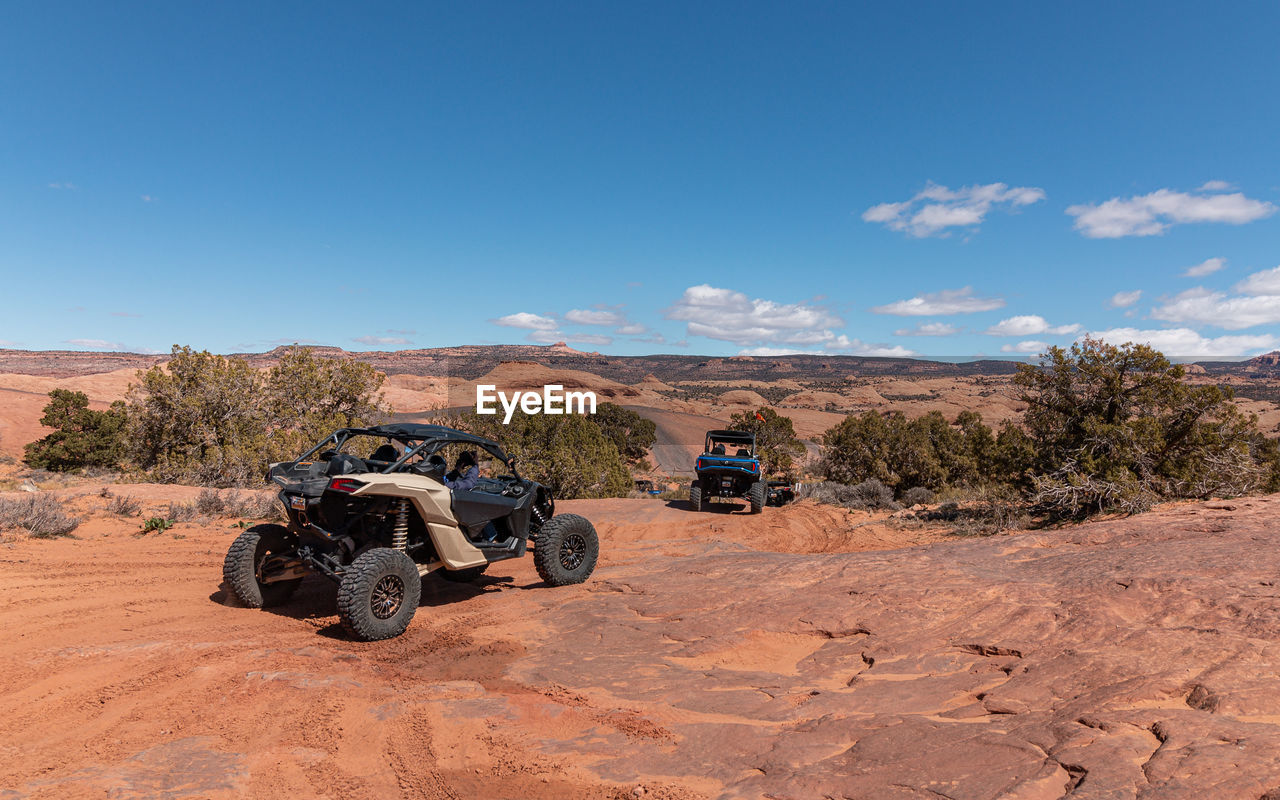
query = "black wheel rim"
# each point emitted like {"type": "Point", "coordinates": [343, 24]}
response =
{"type": "Point", "coordinates": [388, 595]}
{"type": "Point", "coordinates": [573, 549]}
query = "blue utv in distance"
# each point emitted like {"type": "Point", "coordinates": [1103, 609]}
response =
{"type": "Point", "coordinates": [728, 467]}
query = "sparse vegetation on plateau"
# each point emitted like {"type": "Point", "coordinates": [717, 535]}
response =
{"type": "Point", "coordinates": [82, 437]}
{"type": "Point", "coordinates": [1107, 428]}
{"type": "Point", "coordinates": [210, 420]}
{"type": "Point", "coordinates": [42, 515]}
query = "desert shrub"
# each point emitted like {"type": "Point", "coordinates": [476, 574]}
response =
{"type": "Point", "coordinates": [868, 495]}
{"type": "Point", "coordinates": [209, 503]}
{"type": "Point", "coordinates": [250, 505]}
{"type": "Point", "coordinates": [776, 443]}
{"type": "Point", "coordinates": [308, 397]}
{"type": "Point", "coordinates": [124, 505]}
{"type": "Point", "coordinates": [981, 511]}
{"type": "Point", "coordinates": [917, 495]}
{"type": "Point", "coordinates": [630, 433]}
{"type": "Point", "coordinates": [42, 515]}
{"type": "Point", "coordinates": [569, 454]}
{"type": "Point", "coordinates": [216, 421]}
{"type": "Point", "coordinates": [1115, 428]}
{"type": "Point", "coordinates": [82, 437]}
{"type": "Point", "coordinates": [181, 512]}
{"type": "Point", "coordinates": [903, 453]}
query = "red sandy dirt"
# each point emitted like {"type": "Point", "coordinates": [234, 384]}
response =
{"type": "Point", "coordinates": [1127, 658]}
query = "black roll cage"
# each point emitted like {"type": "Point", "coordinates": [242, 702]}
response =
{"type": "Point", "coordinates": [429, 438]}
{"type": "Point", "coordinates": [730, 437]}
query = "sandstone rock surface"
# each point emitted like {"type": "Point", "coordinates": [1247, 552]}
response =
{"type": "Point", "coordinates": [1137, 657]}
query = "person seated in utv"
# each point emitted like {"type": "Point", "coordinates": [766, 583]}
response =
{"type": "Point", "coordinates": [465, 473]}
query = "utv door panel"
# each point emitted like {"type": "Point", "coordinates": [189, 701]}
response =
{"type": "Point", "coordinates": [473, 509]}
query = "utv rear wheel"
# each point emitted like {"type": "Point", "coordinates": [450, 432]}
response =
{"type": "Point", "coordinates": [378, 594]}
{"type": "Point", "coordinates": [462, 575]}
{"type": "Point", "coordinates": [695, 496]}
{"type": "Point", "coordinates": [566, 550]}
{"type": "Point", "coordinates": [242, 568]}
{"type": "Point", "coordinates": [756, 495]}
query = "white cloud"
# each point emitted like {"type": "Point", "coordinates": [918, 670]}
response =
{"type": "Point", "coordinates": [1206, 267]}
{"type": "Point", "coordinates": [1152, 214]}
{"type": "Point", "coordinates": [1186, 343]}
{"type": "Point", "coordinates": [654, 338]}
{"type": "Point", "coordinates": [63, 185]}
{"type": "Point", "coordinates": [929, 329]}
{"type": "Point", "coordinates": [1125, 299]}
{"type": "Point", "coordinates": [527, 321]}
{"type": "Point", "coordinates": [1208, 307]}
{"type": "Point", "coordinates": [146, 198]}
{"type": "Point", "coordinates": [1215, 186]}
{"type": "Point", "coordinates": [380, 340]}
{"type": "Point", "coordinates": [580, 316]}
{"type": "Point", "coordinates": [1031, 347]}
{"type": "Point", "coordinates": [96, 344]}
{"type": "Point", "coordinates": [1257, 303]}
{"type": "Point", "coordinates": [1028, 325]}
{"type": "Point", "coordinates": [1265, 282]}
{"type": "Point", "coordinates": [938, 208]}
{"type": "Point", "coordinates": [733, 317]}
{"type": "Point", "coordinates": [631, 329]}
{"type": "Point", "coordinates": [588, 338]}
{"type": "Point", "coordinates": [947, 301]}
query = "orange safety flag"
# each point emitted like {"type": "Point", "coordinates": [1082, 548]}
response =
{"type": "Point", "coordinates": [760, 416]}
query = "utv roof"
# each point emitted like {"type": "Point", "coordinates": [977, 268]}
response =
{"type": "Point", "coordinates": [731, 436]}
{"type": "Point", "coordinates": [409, 430]}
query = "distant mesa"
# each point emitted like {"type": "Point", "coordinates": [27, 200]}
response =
{"type": "Point", "coordinates": [1265, 361]}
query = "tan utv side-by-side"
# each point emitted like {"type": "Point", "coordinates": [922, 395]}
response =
{"type": "Point", "coordinates": [377, 525]}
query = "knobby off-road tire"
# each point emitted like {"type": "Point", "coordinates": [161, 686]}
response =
{"type": "Point", "coordinates": [462, 575]}
{"type": "Point", "coordinates": [246, 554]}
{"type": "Point", "coordinates": [756, 495]}
{"type": "Point", "coordinates": [566, 550]}
{"type": "Point", "coordinates": [378, 594]}
{"type": "Point", "coordinates": [695, 496]}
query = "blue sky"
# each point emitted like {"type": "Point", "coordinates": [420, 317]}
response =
{"type": "Point", "coordinates": [639, 178]}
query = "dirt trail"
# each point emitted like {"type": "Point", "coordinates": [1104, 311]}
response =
{"type": "Point", "coordinates": [1128, 658]}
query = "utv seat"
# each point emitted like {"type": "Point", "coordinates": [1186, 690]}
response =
{"type": "Point", "coordinates": [718, 450]}
{"type": "Point", "coordinates": [743, 453]}
{"type": "Point", "coordinates": [386, 452]}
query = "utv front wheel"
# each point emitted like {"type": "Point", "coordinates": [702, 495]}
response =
{"type": "Point", "coordinates": [756, 495]}
{"type": "Point", "coordinates": [566, 550]}
{"type": "Point", "coordinates": [243, 567]}
{"type": "Point", "coordinates": [378, 594]}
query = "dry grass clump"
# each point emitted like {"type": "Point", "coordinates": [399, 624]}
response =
{"type": "Point", "coordinates": [42, 515]}
{"type": "Point", "coordinates": [869, 495]}
{"type": "Point", "coordinates": [917, 495]}
{"type": "Point", "coordinates": [124, 505]}
{"type": "Point", "coordinates": [246, 505]}
{"type": "Point", "coordinates": [181, 512]}
{"type": "Point", "coordinates": [980, 512]}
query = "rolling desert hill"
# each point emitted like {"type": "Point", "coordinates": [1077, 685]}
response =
{"type": "Point", "coordinates": [679, 392]}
